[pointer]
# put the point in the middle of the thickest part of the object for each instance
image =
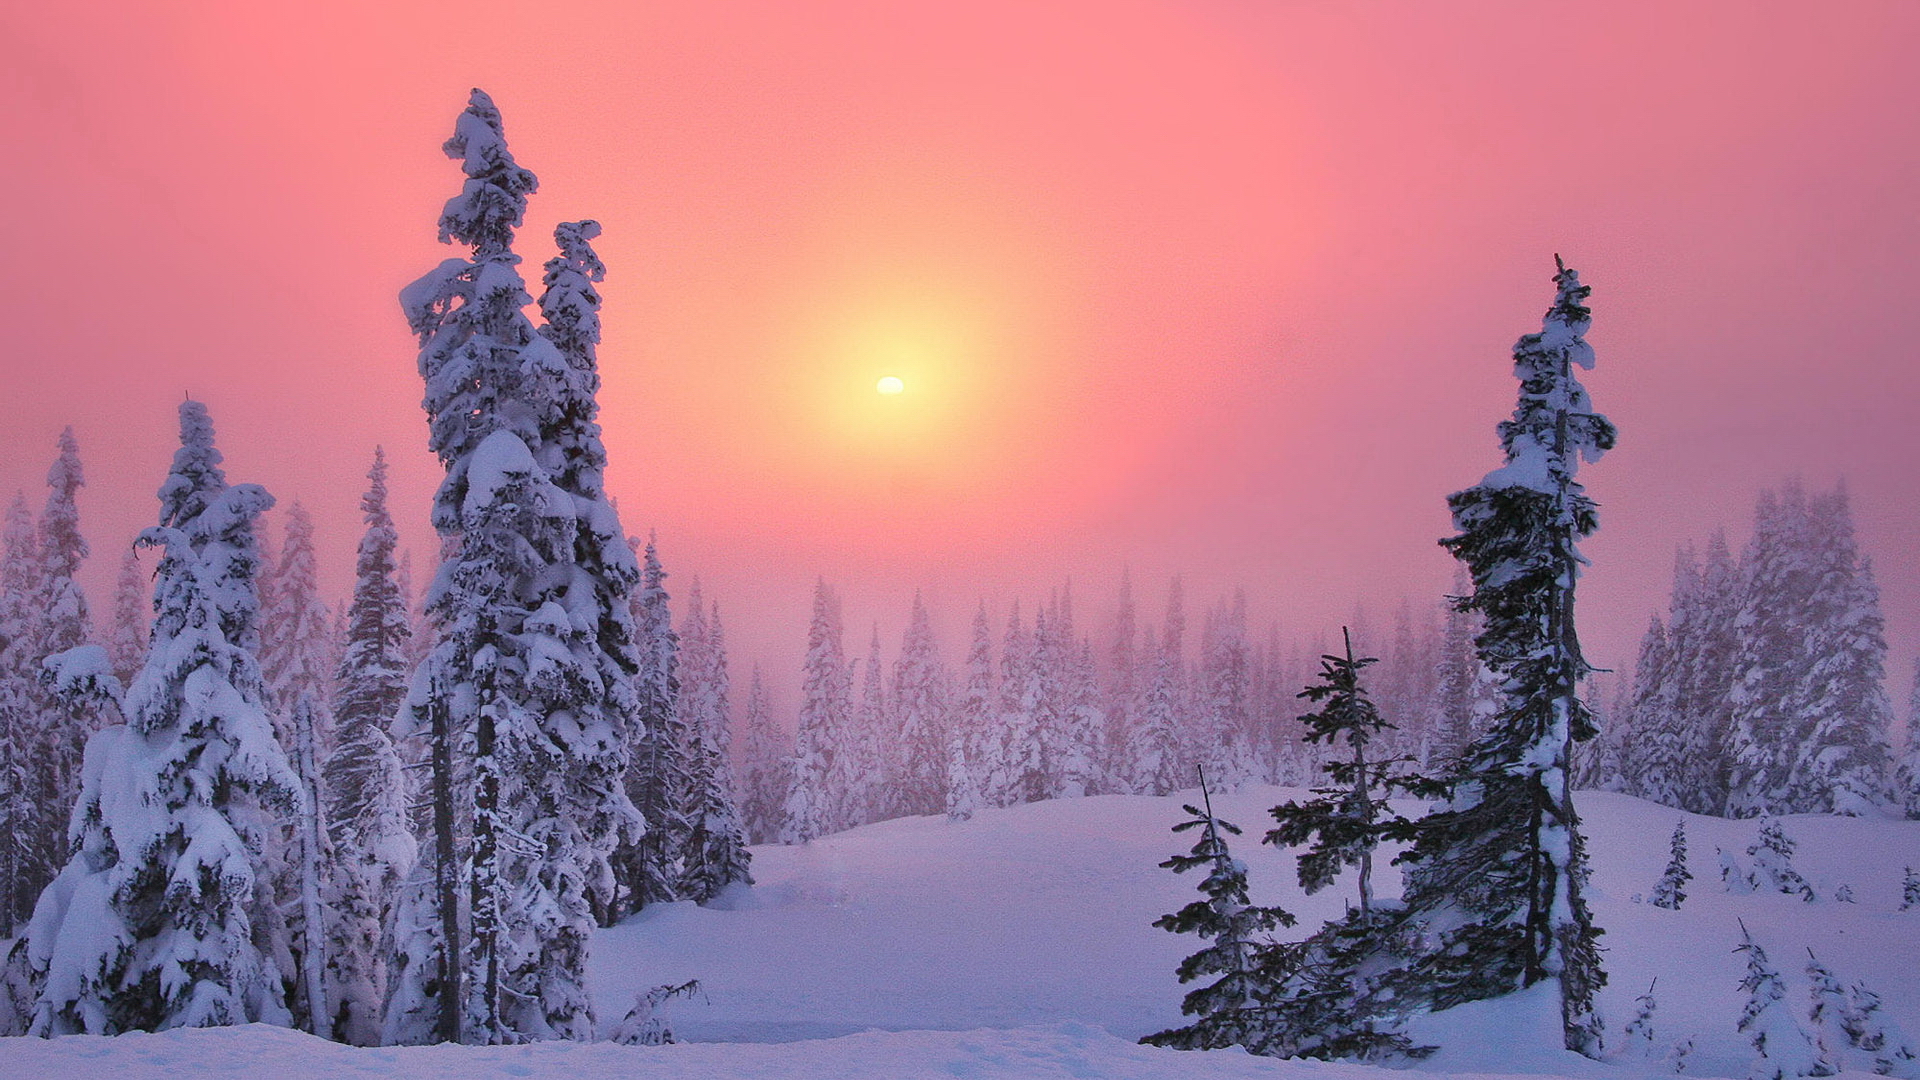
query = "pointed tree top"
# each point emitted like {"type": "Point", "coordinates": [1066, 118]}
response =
{"type": "Point", "coordinates": [196, 477]}
{"type": "Point", "coordinates": [494, 200]}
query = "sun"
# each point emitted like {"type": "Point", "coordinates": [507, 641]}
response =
{"type": "Point", "coordinates": [890, 384]}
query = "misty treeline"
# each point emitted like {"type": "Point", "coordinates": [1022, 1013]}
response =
{"type": "Point", "coordinates": [1762, 691]}
{"type": "Point", "coordinates": [1033, 706]}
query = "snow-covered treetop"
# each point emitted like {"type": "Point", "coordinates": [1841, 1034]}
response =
{"type": "Point", "coordinates": [196, 478]}
{"type": "Point", "coordinates": [62, 542]}
{"type": "Point", "coordinates": [570, 309]}
{"type": "Point", "coordinates": [494, 200]}
{"type": "Point", "coordinates": [1554, 426]}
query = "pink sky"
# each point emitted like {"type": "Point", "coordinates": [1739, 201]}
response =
{"type": "Point", "coordinates": [1222, 288]}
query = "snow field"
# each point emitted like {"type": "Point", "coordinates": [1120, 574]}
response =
{"type": "Point", "coordinates": [1018, 944]}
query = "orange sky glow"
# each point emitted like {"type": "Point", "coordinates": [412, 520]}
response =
{"type": "Point", "coordinates": [1217, 287]}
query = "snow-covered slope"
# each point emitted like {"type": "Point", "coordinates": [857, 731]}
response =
{"type": "Point", "coordinates": [1019, 944]}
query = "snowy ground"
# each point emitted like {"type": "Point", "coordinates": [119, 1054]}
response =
{"type": "Point", "coordinates": [1019, 945]}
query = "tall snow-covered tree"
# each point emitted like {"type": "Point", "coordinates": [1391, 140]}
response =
{"type": "Point", "coordinates": [1224, 743]}
{"type": "Point", "coordinates": [1843, 759]}
{"type": "Point", "coordinates": [809, 810]}
{"type": "Point", "coordinates": [659, 776]}
{"type": "Point", "coordinates": [1707, 671]}
{"type": "Point", "coordinates": [367, 793]}
{"type": "Point", "coordinates": [295, 627]}
{"type": "Point", "coordinates": [1907, 776]}
{"type": "Point", "coordinates": [762, 766]}
{"type": "Point", "coordinates": [118, 942]}
{"type": "Point", "coordinates": [1458, 722]}
{"type": "Point", "coordinates": [530, 684]}
{"type": "Point", "coordinates": [19, 718]}
{"type": "Point", "coordinates": [62, 622]}
{"type": "Point", "coordinates": [126, 642]}
{"type": "Point", "coordinates": [1017, 773]}
{"type": "Point", "coordinates": [714, 854]}
{"type": "Point", "coordinates": [1160, 757]}
{"type": "Point", "coordinates": [1122, 691]}
{"type": "Point", "coordinates": [970, 742]}
{"type": "Point", "coordinates": [1662, 713]}
{"type": "Point", "coordinates": [1809, 716]}
{"type": "Point", "coordinates": [868, 760]}
{"type": "Point", "coordinates": [1504, 857]}
{"type": "Point", "coordinates": [919, 720]}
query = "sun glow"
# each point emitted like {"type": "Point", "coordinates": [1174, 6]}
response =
{"type": "Point", "coordinates": [890, 384]}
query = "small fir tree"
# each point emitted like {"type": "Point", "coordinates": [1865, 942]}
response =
{"type": "Point", "coordinates": [1771, 864]}
{"type": "Point", "coordinates": [1671, 890]}
{"type": "Point", "coordinates": [1871, 1031]}
{"type": "Point", "coordinates": [1909, 889]}
{"type": "Point", "coordinates": [1639, 1033]}
{"type": "Point", "coordinates": [1783, 1050]}
{"type": "Point", "coordinates": [1351, 816]}
{"type": "Point", "coordinates": [659, 777]}
{"type": "Point", "coordinates": [1230, 1009]}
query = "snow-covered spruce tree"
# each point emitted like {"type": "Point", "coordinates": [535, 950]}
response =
{"type": "Point", "coordinates": [1122, 692]}
{"type": "Point", "coordinates": [762, 765]}
{"type": "Point", "coordinates": [148, 926]}
{"type": "Point", "coordinates": [319, 876]}
{"type": "Point", "coordinates": [1809, 717]}
{"type": "Point", "coordinates": [1906, 778]}
{"type": "Point", "coordinates": [1351, 816]}
{"type": "Point", "coordinates": [1044, 721]}
{"type": "Point", "coordinates": [1659, 711]}
{"type": "Point", "coordinates": [1502, 865]}
{"type": "Point", "coordinates": [823, 717]}
{"type": "Point", "coordinates": [1077, 719]}
{"type": "Point", "coordinates": [1230, 1010]}
{"type": "Point", "coordinates": [1707, 671]}
{"type": "Point", "coordinates": [919, 720]}
{"type": "Point", "coordinates": [1770, 868]}
{"type": "Point", "coordinates": [971, 727]}
{"type": "Point", "coordinates": [1909, 889]}
{"type": "Point", "coordinates": [1671, 890]}
{"type": "Point", "coordinates": [530, 682]}
{"type": "Point", "coordinates": [1225, 743]}
{"type": "Point", "coordinates": [367, 792]}
{"type": "Point", "coordinates": [868, 762]}
{"type": "Point", "coordinates": [598, 817]}
{"type": "Point", "coordinates": [1459, 678]}
{"type": "Point", "coordinates": [659, 775]}
{"type": "Point", "coordinates": [1640, 1033]}
{"type": "Point", "coordinates": [1878, 1036]}
{"type": "Point", "coordinates": [61, 622]}
{"type": "Point", "coordinates": [126, 642]}
{"type": "Point", "coordinates": [294, 628]}
{"type": "Point", "coordinates": [19, 720]}
{"type": "Point", "coordinates": [715, 853]}
{"type": "Point", "coordinates": [1843, 760]}
{"type": "Point", "coordinates": [1159, 759]}
{"type": "Point", "coordinates": [1782, 1048]}
{"type": "Point", "coordinates": [1017, 771]}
